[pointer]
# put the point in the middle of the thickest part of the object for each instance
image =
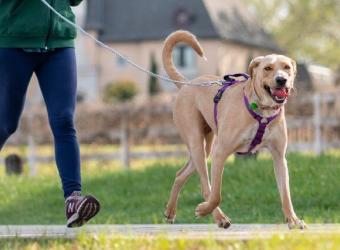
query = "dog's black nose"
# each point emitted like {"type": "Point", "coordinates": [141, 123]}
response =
{"type": "Point", "coordinates": [281, 81]}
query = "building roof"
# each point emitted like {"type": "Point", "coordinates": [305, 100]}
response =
{"type": "Point", "coordinates": [139, 20]}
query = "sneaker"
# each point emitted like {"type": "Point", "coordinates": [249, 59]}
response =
{"type": "Point", "coordinates": [80, 209]}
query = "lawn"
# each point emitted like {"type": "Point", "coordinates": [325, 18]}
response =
{"type": "Point", "coordinates": [139, 196]}
{"type": "Point", "coordinates": [281, 242]}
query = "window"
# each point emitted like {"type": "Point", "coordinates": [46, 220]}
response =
{"type": "Point", "coordinates": [183, 18]}
{"type": "Point", "coordinates": [184, 57]}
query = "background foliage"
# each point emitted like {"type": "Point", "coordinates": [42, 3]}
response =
{"type": "Point", "coordinates": [120, 91]}
{"type": "Point", "coordinates": [306, 29]}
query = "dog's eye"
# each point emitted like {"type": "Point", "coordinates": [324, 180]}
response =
{"type": "Point", "coordinates": [268, 68]}
{"type": "Point", "coordinates": [287, 67]}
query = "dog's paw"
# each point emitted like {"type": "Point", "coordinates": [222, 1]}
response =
{"type": "Point", "coordinates": [297, 224]}
{"type": "Point", "coordinates": [203, 209]}
{"type": "Point", "coordinates": [170, 216]}
{"type": "Point", "coordinates": [223, 221]}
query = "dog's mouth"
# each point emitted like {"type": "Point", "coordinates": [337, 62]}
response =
{"type": "Point", "coordinates": [279, 95]}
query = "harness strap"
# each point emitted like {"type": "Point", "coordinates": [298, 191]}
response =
{"type": "Point", "coordinates": [263, 121]}
{"type": "Point", "coordinates": [229, 80]}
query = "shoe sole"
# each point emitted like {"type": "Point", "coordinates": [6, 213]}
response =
{"type": "Point", "coordinates": [86, 211]}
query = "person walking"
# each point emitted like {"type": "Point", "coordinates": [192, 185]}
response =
{"type": "Point", "coordinates": [35, 40]}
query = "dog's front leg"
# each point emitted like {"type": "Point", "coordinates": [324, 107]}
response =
{"type": "Point", "coordinates": [278, 151]}
{"type": "Point", "coordinates": [219, 155]}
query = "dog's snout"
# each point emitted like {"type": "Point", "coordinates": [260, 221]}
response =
{"type": "Point", "coordinates": [281, 81]}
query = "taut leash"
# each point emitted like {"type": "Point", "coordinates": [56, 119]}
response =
{"type": "Point", "coordinates": [118, 54]}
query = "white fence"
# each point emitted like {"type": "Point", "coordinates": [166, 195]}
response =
{"type": "Point", "coordinates": [318, 131]}
{"type": "Point", "coordinates": [313, 125]}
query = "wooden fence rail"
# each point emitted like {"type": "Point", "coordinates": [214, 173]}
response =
{"type": "Point", "coordinates": [319, 131]}
{"type": "Point", "coordinates": [313, 125]}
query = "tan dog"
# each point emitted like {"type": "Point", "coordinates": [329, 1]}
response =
{"type": "Point", "coordinates": [271, 76]}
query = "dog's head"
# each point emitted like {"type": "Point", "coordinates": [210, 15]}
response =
{"type": "Point", "coordinates": [273, 78]}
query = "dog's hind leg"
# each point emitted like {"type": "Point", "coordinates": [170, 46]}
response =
{"type": "Point", "coordinates": [208, 139]}
{"type": "Point", "coordinates": [181, 177]}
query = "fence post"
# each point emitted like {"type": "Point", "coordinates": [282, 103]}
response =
{"type": "Point", "coordinates": [31, 156]}
{"type": "Point", "coordinates": [124, 142]}
{"type": "Point", "coordinates": [31, 151]}
{"type": "Point", "coordinates": [317, 124]}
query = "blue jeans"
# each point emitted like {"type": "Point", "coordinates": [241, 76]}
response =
{"type": "Point", "coordinates": [56, 72]}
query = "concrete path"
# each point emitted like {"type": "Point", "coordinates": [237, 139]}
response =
{"type": "Point", "coordinates": [188, 231]}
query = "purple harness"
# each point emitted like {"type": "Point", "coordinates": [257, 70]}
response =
{"type": "Point", "coordinates": [263, 121]}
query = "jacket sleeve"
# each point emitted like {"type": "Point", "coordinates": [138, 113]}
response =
{"type": "Point", "coordinates": [75, 2]}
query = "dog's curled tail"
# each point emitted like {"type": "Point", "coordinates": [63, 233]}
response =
{"type": "Point", "coordinates": [172, 40]}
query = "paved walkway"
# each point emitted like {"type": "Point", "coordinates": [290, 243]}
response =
{"type": "Point", "coordinates": [189, 231]}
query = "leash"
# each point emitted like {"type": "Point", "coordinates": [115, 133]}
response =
{"type": "Point", "coordinates": [228, 81]}
{"type": "Point", "coordinates": [263, 122]}
{"type": "Point", "coordinates": [118, 54]}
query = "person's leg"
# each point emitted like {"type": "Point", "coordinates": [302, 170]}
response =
{"type": "Point", "coordinates": [58, 82]}
{"type": "Point", "coordinates": [16, 69]}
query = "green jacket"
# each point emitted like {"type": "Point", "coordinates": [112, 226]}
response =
{"type": "Point", "coordinates": [30, 24]}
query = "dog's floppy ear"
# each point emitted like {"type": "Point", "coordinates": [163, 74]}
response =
{"type": "Point", "coordinates": [253, 64]}
{"type": "Point", "coordinates": [294, 66]}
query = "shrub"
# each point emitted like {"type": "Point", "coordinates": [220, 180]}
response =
{"type": "Point", "coordinates": [121, 91]}
{"type": "Point", "coordinates": [154, 87]}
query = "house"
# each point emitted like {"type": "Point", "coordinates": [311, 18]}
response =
{"type": "Point", "coordinates": [314, 78]}
{"type": "Point", "coordinates": [229, 33]}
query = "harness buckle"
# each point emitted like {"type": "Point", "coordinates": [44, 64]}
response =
{"type": "Point", "coordinates": [229, 78]}
{"type": "Point", "coordinates": [264, 120]}
{"type": "Point", "coordinates": [233, 77]}
{"type": "Point", "coordinates": [218, 97]}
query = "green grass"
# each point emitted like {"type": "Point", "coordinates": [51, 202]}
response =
{"type": "Point", "coordinates": [139, 196]}
{"type": "Point", "coordinates": [281, 242]}
{"type": "Point", "coordinates": [48, 150]}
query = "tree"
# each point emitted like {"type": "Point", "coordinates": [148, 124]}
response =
{"type": "Point", "coordinates": [306, 29]}
{"type": "Point", "coordinates": [154, 87]}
